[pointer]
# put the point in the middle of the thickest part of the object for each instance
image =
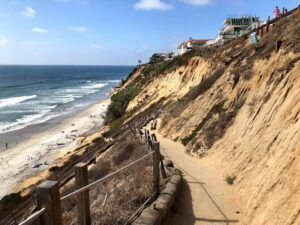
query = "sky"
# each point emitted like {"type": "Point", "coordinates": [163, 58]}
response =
{"type": "Point", "coordinates": [112, 32]}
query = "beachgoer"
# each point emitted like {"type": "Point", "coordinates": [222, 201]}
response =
{"type": "Point", "coordinates": [276, 12]}
{"type": "Point", "coordinates": [6, 145]}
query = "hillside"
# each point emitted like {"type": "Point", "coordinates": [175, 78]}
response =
{"type": "Point", "coordinates": [250, 130]}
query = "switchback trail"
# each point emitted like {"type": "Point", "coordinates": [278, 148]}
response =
{"type": "Point", "coordinates": [204, 197]}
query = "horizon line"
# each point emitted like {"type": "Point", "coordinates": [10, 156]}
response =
{"type": "Point", "coordinates": [62, 65]}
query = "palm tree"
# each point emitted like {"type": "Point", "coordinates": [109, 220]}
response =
{"type": "Point", "coordinates": [140, 61]}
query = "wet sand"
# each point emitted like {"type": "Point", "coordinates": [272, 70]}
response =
{"type": "Point", "coordinates": [34, 149]}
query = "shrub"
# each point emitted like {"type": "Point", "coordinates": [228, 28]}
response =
{"type": "Point", "coordinates": [123, 154]}
{"type": "Point", "coordinates": [217, 108]}
{"type": "Point", "coordinates": [99, 170]}
{"type": "Point", "coordinates": [230, 179]}
{"type": "Point", "coordinates": [120, 101]}
{"type": "Point", "coordinates": [116, 125]}
{"type": "Point", "coordinates": [216, 129]}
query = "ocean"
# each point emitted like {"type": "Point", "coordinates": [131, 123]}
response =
{"type": "Point", "coordinates": [31, 95]}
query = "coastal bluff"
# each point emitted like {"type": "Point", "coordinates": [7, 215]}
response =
{"type": "Point", "coordinates": [249, 128]}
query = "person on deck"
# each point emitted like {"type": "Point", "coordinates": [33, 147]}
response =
{"type": "Point", "coordinates": [276, 12]}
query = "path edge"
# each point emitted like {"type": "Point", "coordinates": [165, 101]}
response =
{"type": "Point", "coordinates": [158, 210]}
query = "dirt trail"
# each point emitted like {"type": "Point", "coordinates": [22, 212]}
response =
{"type": "Point", "coordinates": [204, 198]}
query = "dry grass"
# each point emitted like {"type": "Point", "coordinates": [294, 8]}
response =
{"type": "Point", "coordinates": [124, 194]}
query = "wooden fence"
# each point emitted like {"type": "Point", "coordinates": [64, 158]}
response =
{"type": "Point", "coordinates": [66, 173]}
{"type": "Point", "coordinates": [48, 195]}
{"type": "Point", "coordinates": [268, 26]}
{"type": "Point", "coordinates": [63, 176]}
{"type": "Point", "coordinates": [261, 30]}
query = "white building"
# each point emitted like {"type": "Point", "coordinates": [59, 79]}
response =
{"type": "Point", "coordinates": [190, 44]}
{"type": "Point", "coordinates": [235, 27]}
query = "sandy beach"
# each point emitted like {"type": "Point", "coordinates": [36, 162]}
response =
{"type": "Point", "coordinates": [43, 150]}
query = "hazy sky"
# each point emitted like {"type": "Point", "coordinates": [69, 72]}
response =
{"type": "Point", "coordinates": [111, 32]}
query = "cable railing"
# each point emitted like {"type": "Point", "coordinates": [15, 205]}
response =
{"type": "Point", "coordinates": [66, 173]}
{"type": "Point", "coordinates": [102, 180]}
{"type": "Point", "coordinates": [48, 193]}
{"type": "Point", "coordinates": [33, 217]}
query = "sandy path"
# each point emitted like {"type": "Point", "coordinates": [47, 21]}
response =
{"type": "Point", "coordinates": [204, 198]}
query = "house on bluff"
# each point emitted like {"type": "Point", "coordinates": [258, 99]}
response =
{"type": "Point", "coordinates": [191, 44]}
{"type": "Point", "coordinates": [161, 57]}
{"type": "Point", "coordinates": [235, 27]}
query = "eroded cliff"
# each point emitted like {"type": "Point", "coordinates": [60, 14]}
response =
{"type": "Point", "coordinates": [250, 125]}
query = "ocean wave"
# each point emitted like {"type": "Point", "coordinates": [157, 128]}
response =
{"type": "Point", "coordinates": [15, 100]}
{"type": "Point", "coordinates": [114, 81]}
{"type": "Point", "coordinates": [95, 86]}
{"type": "Point", "coordinates": [28, 120]}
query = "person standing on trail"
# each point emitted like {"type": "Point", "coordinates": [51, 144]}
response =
{"type": "Point", "coordinates": [276, 12]}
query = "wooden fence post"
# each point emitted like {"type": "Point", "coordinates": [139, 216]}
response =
{"type": "Point", "coordinates": [83, 199]}
{"type": "Point", "coordinates": [145, 135]}
{"type": "Point", "coordinates": [156, 147]}
{"type": "Point", "coordinates": [49, 198]}
{"type": "Point", "coordinates": [268, 24]}
{"type": "Point", "coordinates": [155, 157]}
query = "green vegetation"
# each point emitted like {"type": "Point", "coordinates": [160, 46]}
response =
{"type": "Point", "coordinates": [120, 101]}
{"type": "Point", "coordinates": [217, 128]}
{"type": "Point", "coordinates": [116, 124]}
{"type": "Point", "coordinates": [218, 108]}
{"type": "Point", "coordinates": [116, 112]}
{"type": "Point", "coordinates": [230, 179]}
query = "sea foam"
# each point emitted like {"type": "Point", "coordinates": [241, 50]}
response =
{"type": "Point", "coordinates": [15, 100]}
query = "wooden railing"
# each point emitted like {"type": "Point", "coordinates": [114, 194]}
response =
{"type": "Point", "coordinates": [65, 174]}
{"type": "Point", "coordinates": [48, 194]}
{"type": "Point", "coordinates": [265, 28]}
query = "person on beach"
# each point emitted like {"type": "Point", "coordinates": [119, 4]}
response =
{"type": "Point", "coordinates": [6, 145]}
{"type": "Point", "coordinates": [276, 12]}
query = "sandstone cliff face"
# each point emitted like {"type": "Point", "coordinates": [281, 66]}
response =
{"type": "Point", "coordinates": [251, 130]}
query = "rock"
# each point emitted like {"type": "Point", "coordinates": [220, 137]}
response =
{"type": "Point", "coordinates": [168, 163]}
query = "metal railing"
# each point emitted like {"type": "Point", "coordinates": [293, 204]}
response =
{"type": "Point", "coordinates": [91, 185]}
{"type": "Point", "coordinates": [63, 175]}
{"type": "Point", "coordinates": [66, 173]}
{"type": "Point", "coordinates": [33, 217]}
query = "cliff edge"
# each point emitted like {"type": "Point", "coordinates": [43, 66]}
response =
{"type": "Point", "coordinates": [239, 107]}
